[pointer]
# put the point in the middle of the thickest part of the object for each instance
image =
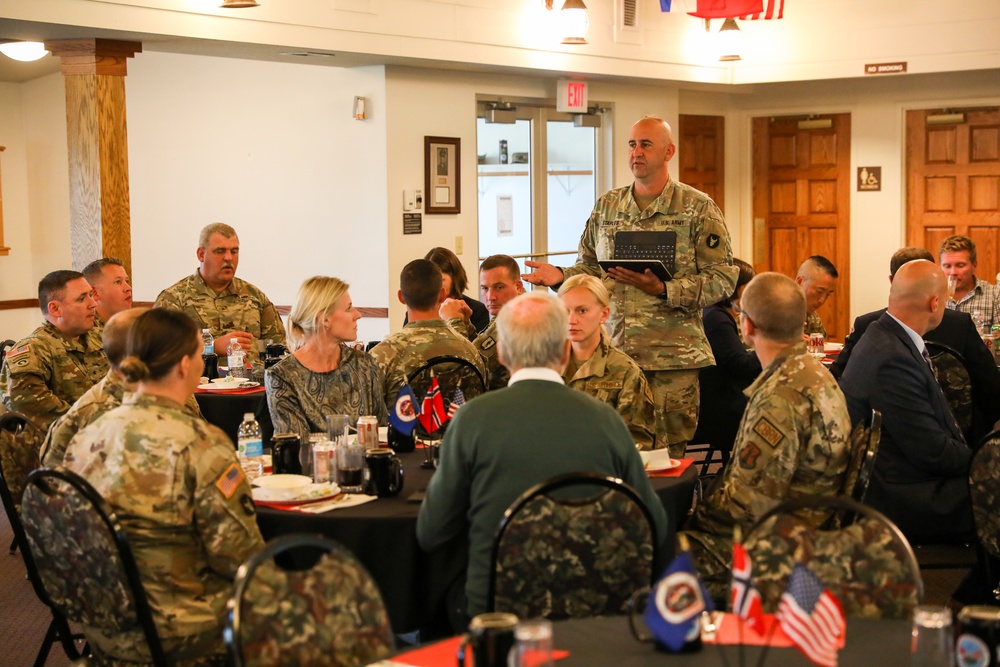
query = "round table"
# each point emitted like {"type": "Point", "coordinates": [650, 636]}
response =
{"type": "Point", "coordinates": [226, 410]}
{"type": "Point", "coordinates": [382, 535]}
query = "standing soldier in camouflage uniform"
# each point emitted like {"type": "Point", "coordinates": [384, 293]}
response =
{"type": "Point", "coordinates": [598, 369]}
{"type": "Point", "coordinates": [104, 396]}
{"type": "Point", "coordinates": [794, 439]}
{"type": "Point", "coordinates": [219, 301]}
{"type": "Point", "coordinates": [425, 336]}
{"type": "Point", "coordinates": [46, 372]}
{"type": "Point", "coordinates": [818, 279]}
{"type": "Point", "coordinates": [656, 322]}
{"type": "Point", "coordinates": [499, 282]}
{"type": "Point", "coordinates": [178, 489]}
{"type": "Point", "coordinates": [112, 288]}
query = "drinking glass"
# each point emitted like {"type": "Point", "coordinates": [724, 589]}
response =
{"type": "Point", "coordinates": [350, 466]}
{"type": "Point", "coordinates": [952, 286]}
{"type": "Point", "coordinates": [534, 644]}
{"type": "Point", "coordinates": [931, 645]}
{"type": "Point", "coordinates": [336, 428]}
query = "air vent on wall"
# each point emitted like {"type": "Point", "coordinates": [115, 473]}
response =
{"type": "Point", "coordinates": [627, 29]}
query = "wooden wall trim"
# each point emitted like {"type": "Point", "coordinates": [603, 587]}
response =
{"type": "Point", "coordinates": [14, 304]}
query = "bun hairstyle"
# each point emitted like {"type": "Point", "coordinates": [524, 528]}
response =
{"type": "Point", "coordinates": [157, 341]}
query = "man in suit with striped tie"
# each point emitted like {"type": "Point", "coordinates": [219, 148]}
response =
{"type": "Point", "coordinates": [923, 459]}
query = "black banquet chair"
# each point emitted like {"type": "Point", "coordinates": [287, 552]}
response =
{"type": "Point", "coordinates": [328, 615]}
{"type": "Point", "coordinates": [86, 564]}
{"type": "Point", "coordinates": [953, 376]}
{"type": "Point", "coordinates": [984, 471]}
{"type": "Point", "coordinates": [574, 546]}
{"type": "Point", "coordinates": [12, 426]}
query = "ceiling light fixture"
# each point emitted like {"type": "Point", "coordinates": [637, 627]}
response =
{"type": "Point", "coordinates": [26, 52]}
{"type": "Point", "coordinates": [730, 41]}
{"type": "Point", "coordinates": [238, 4]}
{"type": "Point", "coordinates": [575, 22]}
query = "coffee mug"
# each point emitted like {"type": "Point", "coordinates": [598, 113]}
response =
{"type": "Point", "coordinates": [285, 454]}
{"type": "Point", "coordinates": [491, 637]}
{"type": "Point", "coordinates": [383, 473]}
{"type": "Point", "coordinates": [977, 636]}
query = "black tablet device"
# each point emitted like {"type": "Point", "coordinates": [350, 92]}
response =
{"type": "Point", "coordinates": [639, 266]}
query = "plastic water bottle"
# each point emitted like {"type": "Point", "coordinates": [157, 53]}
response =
{"type": "Point", "coordinates": [250, 447]}
{"type": "Point", "coordinates": [237, 360]}
{"type": "Point", "coordinates": [208, 340]}
{"type": "Point", "coordinates": [208, 355]}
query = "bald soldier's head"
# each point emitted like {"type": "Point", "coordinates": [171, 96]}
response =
{"type": "Point", "coordinates": [918, 295]}
{"type": "Point", "coordinates": [116, 334]}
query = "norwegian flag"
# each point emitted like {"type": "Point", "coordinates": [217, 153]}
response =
{"type": "Point", "coordinates": [772, 9]}
{"type": "Point", "coordinates": [726, 9]}
{"type": "Point", "coordinates": [744, 597]}
{"type": "Point", "coordinates": [811, 617]}
{"type": "Point", "coordinates": [432, 414]}
{"type": "Point", "coordinates": [457, 400]}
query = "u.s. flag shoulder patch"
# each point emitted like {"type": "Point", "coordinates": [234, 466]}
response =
{"type": "Point", "coordinates": [230, 480]}
{"type": "Point", "coordinates": [18, 351]}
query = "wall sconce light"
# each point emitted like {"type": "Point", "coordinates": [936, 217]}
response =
{"type": "Point", "coordinates": [26, 52]}
{"type": "Point", "coordinates": [730, 41]}
{"type": "Point", "coordinates": [238, 4]}
{"type": "Point", "coordinates": [574, 22]}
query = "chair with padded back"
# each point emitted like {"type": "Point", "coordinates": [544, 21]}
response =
{"type": "Point", "coordinates": [984, 471]}
{"type": "Point", "coordinates": [86, 565]}
{"type": "Point", "coordinates": [868, 565]}
{"type": "Point", "coordinates": [12, 425]}
{"type": "Point", "coordinates": [956, 382]}
{"type": "Point", "coordinates": [4, 346]}
{"type": "Point", "coordinates": [574, 546]}
{"type": "Point", "coordinates": [329, 615]}
{"type": "Point", "coordinates": [865, 438]}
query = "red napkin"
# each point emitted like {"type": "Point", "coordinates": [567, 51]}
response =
{"type": "Point", "coordinates": [443, 653]}
{"type": "Point", "coordinates": [234, 392]}
{"type": "Point", "coordinates": [672, 472]}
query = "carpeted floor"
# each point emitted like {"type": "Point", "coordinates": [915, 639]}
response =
{"type": "Point", "coordinates": [23, 619]}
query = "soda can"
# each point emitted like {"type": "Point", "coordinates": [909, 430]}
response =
{"type": "Point", "coordinates": [978, 636]}
{"type": "Point", "coordinates": [368, 432]}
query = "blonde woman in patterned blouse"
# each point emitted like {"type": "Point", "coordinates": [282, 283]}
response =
{"type": "Point", "coordinates": [323, 375]}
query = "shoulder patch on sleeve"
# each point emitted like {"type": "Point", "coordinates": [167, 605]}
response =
{"type": "Point", "coordinates": [18, 351]}
{"type": "Point", "coordinates": [749, 454]}
{"type": "Point", "coordinates": [712, 241]}
{"type": "Point", "coordinates": [767, 431]}
{"type": "Point", "coordinates": [488, 343]}
{"type": "Point", "coordinates": [230, 480]}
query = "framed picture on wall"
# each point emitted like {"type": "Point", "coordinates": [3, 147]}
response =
{"type": "Point", "coordinates": [442, 175]}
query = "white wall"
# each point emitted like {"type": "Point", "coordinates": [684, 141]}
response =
{"type": "Point", "coordinates": [272, 150]}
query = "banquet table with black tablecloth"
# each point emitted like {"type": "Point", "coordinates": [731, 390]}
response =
{"type": "Point", "coordinates": [382, 534]}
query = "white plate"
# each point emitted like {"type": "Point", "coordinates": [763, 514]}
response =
{"type": "Point", "coordinates": [282, 481]}
{"type": "Point", "coordinates": [295, 496]}
{"type": "Point", "coordinates": [227, 386]}
{"type": "Point", "coordinates": [833, 347]}
{"type": "Point", "coordinates": [658, 459]}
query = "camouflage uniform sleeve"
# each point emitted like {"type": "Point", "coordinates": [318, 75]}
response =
{"type": "Point", "coordinates": [168, 299]}
{"type": "Point", "coordinates": [463, 327]}
{"type": "Point", "coordinates": [271, 325]}
{"type": "Point", "coordinates": [225, 515]}
{"type": "Point", "coordinates": [635, 405]}
{"type": "Point", "coordinates": [763, 464]}
{"type": "Point", "coordinates": [24, 383]}
{"type": "Point", "coordinates": [715, 278]}
{"type": "Point", "coordinates": [383, 355]}
{"type": "Point", "coordinates": [586, 257]}
{"type": "Point", "coordinates": [60, 433]}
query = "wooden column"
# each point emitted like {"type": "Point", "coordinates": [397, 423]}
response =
{"type": "Point", "coordinates": [94, 72]}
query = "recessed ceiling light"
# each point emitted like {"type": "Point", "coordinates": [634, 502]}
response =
{"type": "Point", "coordinates": [24, 51]}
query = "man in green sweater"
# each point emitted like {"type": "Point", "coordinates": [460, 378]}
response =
{"type": "Point", "coordinates": [488, 458]}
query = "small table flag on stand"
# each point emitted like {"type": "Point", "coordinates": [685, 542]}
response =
{"type": "Point", "coordinates": [403, 416]}
{"type": "Point", "coordinates": [811, 617]}
{"type": "Point", "coordinates": [673, 612]}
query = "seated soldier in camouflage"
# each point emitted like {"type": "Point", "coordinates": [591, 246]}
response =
{"type": "Point", "coordinates": [219, 301]}
{"type": "Point", "coordinates": [499, 282]}
{"type": "Point", "coordinates": [425, 336]}
{"type": "Point", "coordinates": [323, 375]}
{"type": "Point", "coordinates": [104, 396]}
{"type": "Point", "coordinates": [794, 439]}
{"type": "Point", "coordinates": [176, 485]}
{"type": "Point", "coordinates": [597, 368]}
{"type": "Point", "coordinates": [46, 372]}
{"type": "Point", "coordinates": [112, 288]}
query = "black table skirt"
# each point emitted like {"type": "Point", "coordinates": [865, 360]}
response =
{"type": "Point", "coordinates": [226, 411]}
{"type": "Point", "coordinates": [382, 534]}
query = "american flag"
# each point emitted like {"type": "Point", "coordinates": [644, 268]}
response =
{"type": "Point", "coordinates": [771, 9]}
{"type": "Point", "coordinates": [432, 414]}
{"type": "Point", "coordinates": [811, 617]}
{"type": "Point", "coordinates": [230, 480]}
{"type": "Point", "coordinates": [745, 598]}
{"type": "Point", "coordinates": [457, 399]}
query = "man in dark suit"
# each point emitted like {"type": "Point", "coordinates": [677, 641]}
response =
{"type": "Point", "coordinates": [920, 472]}
{"type": "Point", "coordinates": [958, 332]}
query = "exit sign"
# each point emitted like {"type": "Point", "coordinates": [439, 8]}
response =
{"type": "Point", "coordinates": [571, 96]}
